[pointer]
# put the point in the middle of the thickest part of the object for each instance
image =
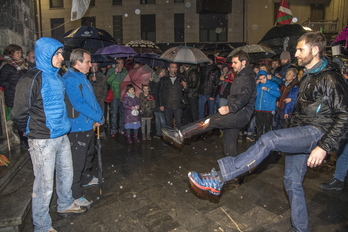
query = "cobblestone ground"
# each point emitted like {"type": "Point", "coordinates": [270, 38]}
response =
{"type": "Point", "coordinates": [146, 189]}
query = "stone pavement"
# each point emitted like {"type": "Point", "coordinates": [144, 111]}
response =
{"type": "Point", "coordinates": [146, 189]}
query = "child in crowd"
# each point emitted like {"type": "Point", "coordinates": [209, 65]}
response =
{"type": "Point", "coordinates": [267, 93]}
{"type": "Point", "coordinates": [147, 105]}
{"type": "Point", "coordinates": [131, 105]}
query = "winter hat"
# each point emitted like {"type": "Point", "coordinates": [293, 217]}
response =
{"type": "Point", "coordinates": [262, 72]}
{"type": "Point", "coordinates": [285, 55]}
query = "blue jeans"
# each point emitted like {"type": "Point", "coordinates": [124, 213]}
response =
{"type": "Point", "coordinates": [46, 156]}
{"type": "Point", "coordinates": [202, 99]}
{"type": "Point", "coordinates": [116, 107]}
{"type": "Point", "coordinates": [298, 140]}
{"type": "Point", "coordinates": [160, 122]}
{"type": "Point", "coordinates": [342, 164]}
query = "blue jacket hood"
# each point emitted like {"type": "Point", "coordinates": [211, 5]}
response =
{"type": "Point", "coordinates": [45, 49]}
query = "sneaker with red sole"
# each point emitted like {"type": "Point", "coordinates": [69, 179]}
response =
{"type": "Point", "coordinates": [206, 182]}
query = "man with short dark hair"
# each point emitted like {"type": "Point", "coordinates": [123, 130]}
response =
{"type": "Point", "coordinates": [39, 109]}
{"type": "Point", "coordinates": [235, 115]}
{"type": "Point", "coordinates": [319, 126]}
{"type": "Point", "coordinates": [84, 112]}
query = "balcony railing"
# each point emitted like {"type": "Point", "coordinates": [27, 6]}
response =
{"type": "Point", "coordinates": [325, 26]}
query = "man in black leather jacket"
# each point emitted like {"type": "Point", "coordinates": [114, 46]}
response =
{"type": "Point", "coordinates": [319, 126]}
{"type": "Point", "coordinates": [235, 115]}
{"type": "Point", "coordinates": [191, 77]}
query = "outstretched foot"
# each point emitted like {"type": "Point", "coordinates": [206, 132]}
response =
{"type": "Point", "coordinates": [173, 136]}
{"type": "Point", "coordinates": [205, 184]}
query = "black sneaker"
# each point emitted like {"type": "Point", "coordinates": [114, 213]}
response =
{"type": "Point", "coordinates": [334, 184]}
{"type": "Point", "coordinates": [172, 135]}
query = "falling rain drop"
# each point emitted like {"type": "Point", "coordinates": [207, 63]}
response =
{"type": "Point", "coordinates": [205, 149]}
{"type": "Point", "coordinates": [121, 187]}
{"type": "Point", "coordinates": [179, 167]}
{"type": "Point", "coordinates": [125, 15]}
{"type": "Point", "coordinates": [188, 4]}
{"type": "Point", "coordinates": [188, 26]}
{"type": "Point", "coordinates": [134, 196]}
{"type": "Point", "coordinates": [137, 11]}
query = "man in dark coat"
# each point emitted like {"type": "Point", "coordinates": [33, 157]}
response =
{"type": "Point", "coordinates": [319, 126]}
{"type": "Point", "coordinates": [191, 92]}
{"type": "Point", "coordinates": [235, 115]}
{"type": "Point", "coordinates": [170, 96]}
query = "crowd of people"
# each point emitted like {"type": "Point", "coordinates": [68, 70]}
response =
{"type": "Point", "coordinates": [287, 107]}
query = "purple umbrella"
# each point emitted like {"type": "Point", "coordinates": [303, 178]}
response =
{"type": "Point", "coordinates": [116, 51]}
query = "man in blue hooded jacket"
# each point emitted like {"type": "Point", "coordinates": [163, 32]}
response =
{"type": "Point", "coordinates": [40, 111]}
{"type": "Point", "coordinates": [83, 112]}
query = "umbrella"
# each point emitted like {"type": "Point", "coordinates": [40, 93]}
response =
{"type": "Point", "coordinates": [255, 51]}
{"type": "Point", "coordinates": [87, 37]}
{"type": "Point", "coordinates": [142, 46]}
{"type": "Point", "coordinates": [137, 77]}
{"type": "Point", "coordinates": [342, 36]}
{"type": "Point", "coordinates": [97, 58]}
{"type": "Point", "coordinates": [286, 35]}
{"type": "Point", "coordinates": [185, 54]}
{"type": "Point", "coordinates": [151, 59]}
{"type": "Point", "coordinates": [100, 162]}
{"type": "Point", "coordinates": [116, 51]}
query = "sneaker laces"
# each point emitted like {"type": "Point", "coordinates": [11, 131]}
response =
{"type": "Point", "coordinates": [211, 179]}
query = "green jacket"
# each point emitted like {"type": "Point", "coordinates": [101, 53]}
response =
{"type": "Point", "coordinates": [115, 80]}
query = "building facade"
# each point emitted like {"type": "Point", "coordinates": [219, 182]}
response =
{"type": "Point", "coordinates": [186, 21]}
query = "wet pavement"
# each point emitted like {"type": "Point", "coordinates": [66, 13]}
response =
{"type": "Point", "coordinates": [146, 189]}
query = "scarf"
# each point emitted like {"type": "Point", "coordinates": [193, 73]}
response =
{"type": "Point", "coordinates": [18, 64]}
{"type": "Point", "coordinates": [131, 95]}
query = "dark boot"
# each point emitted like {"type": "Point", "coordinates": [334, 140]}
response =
{"type": "Point", "coordinates": [129, 141]}
{"type": "Point", "coordinates": [334, 184]}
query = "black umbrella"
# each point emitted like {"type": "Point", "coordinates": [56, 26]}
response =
{"type": "Point", "coordinates": [256, 52]}
{"type": "Point", "coordinates": [100, 162]}
{"type": "Point", "coordinates": [277, 36]}
{"type": "Point", "coordinates": [87, 37]}
{"type": "Point", "coordinates": [151, 59]}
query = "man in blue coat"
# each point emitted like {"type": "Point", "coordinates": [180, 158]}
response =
{"type": "Point", "coordinates": [84, 112]}
{"type": "Point", "coordinates": [39, 110]}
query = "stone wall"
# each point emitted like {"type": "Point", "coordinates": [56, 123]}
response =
{"type": "Point", "coordinates": [17, 23]}
{"type": "Point", "coordinates": [17, 26]}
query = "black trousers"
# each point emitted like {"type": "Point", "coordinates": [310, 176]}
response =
{"type": "Point", "coordinates": [263, 122]}
{"type": "Point", "coordinates": [230, 124]}
{"type": "Point", "coordinates": [169, 113]}
{"type": "Point", "coordinates": [82, 150]}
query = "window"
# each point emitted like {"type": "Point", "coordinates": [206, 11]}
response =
{"type": "Point", "coordinates": [179, 28]}
{"type": "Point", "coordinates": [317, 12]}
{"type": "Point", "coordinates": [148, 27]}
{"type": "Point", "coordinates": [56, 4]}
{"type": "Point", "coordinates": [88, 21]}
{"type": "Point", "coordinates": [116, 2]}
{"type": "Point", "coordinates": [92, 3]}
{"type": "Point", "coordinates": [118, 28]}
{"type": "Point", "coordinates": [57, 27]}
{"type": "Point", "coordinates": [147, 1]}
{"type": "Point", "coordinates": [178, 1]}
{"type": "Point", "coordinates": [213, 28]}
